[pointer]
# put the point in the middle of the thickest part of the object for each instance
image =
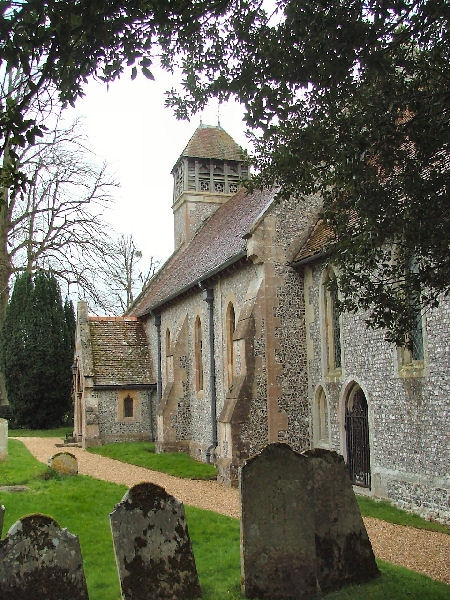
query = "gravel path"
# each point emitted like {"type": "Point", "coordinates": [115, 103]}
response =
{"type": "Point", "coordinates": [426, 552]}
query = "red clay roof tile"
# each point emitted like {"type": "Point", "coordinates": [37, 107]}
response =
{"type": "Point", "coordinates": [212, 142]}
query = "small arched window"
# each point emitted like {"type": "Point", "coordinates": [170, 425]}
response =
{"type": "Point", "coordinates": [128, 407]}
{"type": "Point", "coordinates": [230, 328]}
{"type": "Point", "coordinates": [320, 419]}
{"type": "Point", "coordinates": [332, 322]}
{"type": "Point", "coordinates": [198, 349]}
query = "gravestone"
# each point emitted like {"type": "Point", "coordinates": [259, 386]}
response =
{"type": "Point", "coordinates": [301, 529]}
{"type": "Point", "coordinates": [64, 463]}
{"type": "Point", "coordinates": [3, 439]}
{"type": "Point", "coordinates": [2, 515]}
{"type": "Point", "coordinates": [152, 546]}
{"type": "Point", "coordinates": [39, 560]}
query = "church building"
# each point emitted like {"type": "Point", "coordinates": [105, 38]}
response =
{"type": "Point", "coordinates": [236, 343]}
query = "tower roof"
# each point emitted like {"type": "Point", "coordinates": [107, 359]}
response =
{"type": "Point", "coordinates": [209, 141]}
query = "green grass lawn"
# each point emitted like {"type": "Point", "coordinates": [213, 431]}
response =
{"type": "Point", "coordinates": [82, 504]}
{"type": "Point", "coordinates": [385, 511]}
{"type": "Point", "coordinates": [143, 454]}
{"type": "Point", "coordinates": [59, 432]}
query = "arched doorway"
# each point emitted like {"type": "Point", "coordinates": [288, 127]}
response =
{"type": "Point", "coordinates": [357, 436]}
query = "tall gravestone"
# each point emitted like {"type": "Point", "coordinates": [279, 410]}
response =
{"type": "Point", "coordinates": [301, 529]}
{"type": "Point", "coordinates": [153, 550]}
{"type": "Point", "coordinates": [3, 439]}
{"type": "Point", "coordinates": [39, 560]}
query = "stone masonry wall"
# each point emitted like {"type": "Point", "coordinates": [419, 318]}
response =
{"type": "Point", "coordinates": [408, 416]}
{"type": "Point", "coordinates": [114, 428]}
{"type": "Point", "coordinates": [193, 417]}
{"type": "Point", "coordinates": [284, 388]}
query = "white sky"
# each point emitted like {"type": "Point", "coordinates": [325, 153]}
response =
{"type": "Point", "coordinates": [128, 127]}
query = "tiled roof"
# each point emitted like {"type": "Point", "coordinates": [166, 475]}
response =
{"type": "Point", "coordinates": [320, 238]}
{"type": "Point", "coordinates": [217, 243]}
{"type": "Point", "coordinates": [212, 142]}
{"type": "Point", "coordinates": [316, 242]}
{"type": "Point", "coordinates": [120, 351]}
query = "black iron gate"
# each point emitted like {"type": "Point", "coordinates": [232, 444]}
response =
{"type": "Point", "coordinates": [357, 428]}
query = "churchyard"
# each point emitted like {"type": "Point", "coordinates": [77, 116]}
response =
{"type": "Point", "coordinates": [83, 504]}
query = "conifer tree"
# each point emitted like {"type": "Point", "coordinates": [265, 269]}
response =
{"type": "Point", "coordinates": [36, 356]}
{"type": "Point", "coordinates": [14, 346]}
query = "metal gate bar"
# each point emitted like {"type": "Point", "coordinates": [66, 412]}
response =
{"type": "Point", "coordinates": [358, 450]}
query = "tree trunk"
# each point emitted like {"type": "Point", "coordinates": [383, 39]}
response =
{"type": "Point", "coordinates": [5, 263]}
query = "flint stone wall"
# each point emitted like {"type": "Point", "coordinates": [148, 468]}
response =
{"type": "Point", "coordinates": [301, 531]}
{"type": "Point", "coordinates": [41, 561]}
{"type": "Point", "coordinates": [408, 416]}
{"type": "Point", "coordinates": [153, 550]}
{"type": "Point", "coordinates": [3, 439]}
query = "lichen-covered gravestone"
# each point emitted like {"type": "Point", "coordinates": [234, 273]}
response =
{"type": "Point", "coordinates": [3, 439]}
{"type": "Point", "coordinates": [301, 529]}
{"type": "Point", "coordinates": [64, 463]}
{"type": "Point", "coordinates": [41, 561]}
{"type": "Point", "coordinates": [153, 550]}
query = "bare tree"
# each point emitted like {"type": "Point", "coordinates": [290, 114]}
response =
{"type": "Point", "coordinates": [56, 221]}
{"type": "Point", "coordinates": [55, 218]}
{"type": "Point", "coordinates": [124, 279]}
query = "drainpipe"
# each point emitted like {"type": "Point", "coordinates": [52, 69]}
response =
{"type": "Point", "coordinates": [157, 322]}
{"type": "Point", "coordinates": [208, 296]}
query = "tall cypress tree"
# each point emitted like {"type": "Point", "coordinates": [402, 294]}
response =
{"type": "Point", "coordinates": [36, 356]}
{"type": "Point", "coordinates": [14, 347]}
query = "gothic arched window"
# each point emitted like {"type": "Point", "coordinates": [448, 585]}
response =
{"type": "Point", "coordinates": [230, 327]}
{"type": "Point", "coordinates": [198, 350]}
{"type": "Point", "coordinates": [331, 321]}
{"type": "Point", "coordinates": [320, 418]}
{"type": "Point", "coordinates": [168, 353]}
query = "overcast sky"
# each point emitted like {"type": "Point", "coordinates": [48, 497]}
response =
{"type": "Point", "coordinates": [129, 128]}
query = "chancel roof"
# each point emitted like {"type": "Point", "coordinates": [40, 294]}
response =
{"type": "Point", "coordinates": [120, 352]}
{"type": "Point", "coordinates": [218, 243]}
{"type": "Point", "coordinates": [212, 142]}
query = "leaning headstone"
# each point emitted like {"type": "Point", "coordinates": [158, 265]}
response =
{"type": "Point", "coordinates": [2, 515]}
{"type": "Point", "coordinates": [39, 560]}
{"type": "Point", "coordinates": [343, 550]}
{"type": "Point", "coordinates": [301, 529]}
{"type": "Point", "coordinates": [64, 463]}
{"type": "Point", "coordinates": [153, 550]}
{"type": "Point", "coordinates": [3, 439]}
